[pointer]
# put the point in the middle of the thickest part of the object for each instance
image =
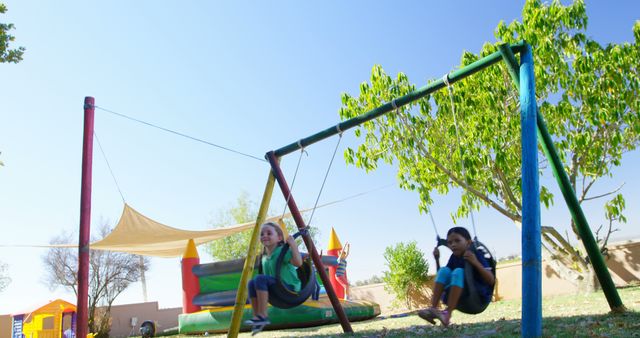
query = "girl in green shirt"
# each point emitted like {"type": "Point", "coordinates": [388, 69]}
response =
{"type": "Point", "coordinates": [272, 238]}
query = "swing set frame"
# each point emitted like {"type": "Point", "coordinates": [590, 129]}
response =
{"type": "Point", "coordinates": [533, 128]}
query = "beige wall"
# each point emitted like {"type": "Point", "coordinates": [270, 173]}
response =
{"type": "Point", "coordinates": [509, 277]}
{"type": "Point", "coordinates": [624, 262]}
{"type": "Point", "coordinates": [121, 318]}
{"type": "Point", "coordinates": [5, 326]}
{"type": "Point", "coordinates": [375, 293]}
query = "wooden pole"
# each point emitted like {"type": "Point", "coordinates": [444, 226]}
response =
{"type": "Point", "coordinates": [249, 263]}
{"type": "Point", "coordinates": [317, 261]}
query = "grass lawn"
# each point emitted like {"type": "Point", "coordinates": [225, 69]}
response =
{"type": "Point", "coordinates": [563, 316]}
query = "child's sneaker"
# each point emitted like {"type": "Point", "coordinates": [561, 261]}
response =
{"type": "Point", "coordinates": [429, 314]}
{"type": "Point", "coordinates": [250, 321]}
{"type": "Point", "coordinates": [256, 329]}
{"type": "Point", "coordinates": [444, 316]}
{"type": "Point", "coordinates": [257, 321]}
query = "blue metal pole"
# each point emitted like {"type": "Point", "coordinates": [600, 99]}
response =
{"type": "Point", "coordinates": [531, 239]}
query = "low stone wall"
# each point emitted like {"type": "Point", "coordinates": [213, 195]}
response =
{"type": "Point", "coordinates": [624, 262]}
{"type": "Point", "coordinates": [122, 318]}
{"type": "Point", "coordinates": [5, 326]}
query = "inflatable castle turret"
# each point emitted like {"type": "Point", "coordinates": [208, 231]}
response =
{"type": "Point", "coordinates": [333, 249]}
{"type": "Point", "coordinates": [190, 283]}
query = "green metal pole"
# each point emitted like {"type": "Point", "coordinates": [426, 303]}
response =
{"type": "Point", "coordinates": [401, 101]}
{"type": "Point", "coordinates": [590, 244]}
{"type": "Point", "coordinates": [249, 263]}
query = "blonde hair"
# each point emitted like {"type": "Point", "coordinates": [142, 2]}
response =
{"type": "Point", "coordinates": [276, 227]}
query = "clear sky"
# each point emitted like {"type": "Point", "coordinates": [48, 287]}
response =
{"type": "Point", "coordinates": [252, 76]}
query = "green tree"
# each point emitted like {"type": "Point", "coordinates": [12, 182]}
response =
{"type": "Point", "coordinates": [7, 54]}
{"type": "Point", "coordinates": [586, 92]}
{"type": "Point", "coordinates": [236, 245]}
{"type": "Point", "coordinates": [407, 273]}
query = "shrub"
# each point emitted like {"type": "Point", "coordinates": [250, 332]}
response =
{"type": "Point", "coordinates": [407, 273]}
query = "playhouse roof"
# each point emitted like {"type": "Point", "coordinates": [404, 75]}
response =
{"type": "Point", "coordinates": [52, 307]}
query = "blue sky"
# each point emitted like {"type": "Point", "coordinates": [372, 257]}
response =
{"type": "Point", "coordinates": [252, 76]}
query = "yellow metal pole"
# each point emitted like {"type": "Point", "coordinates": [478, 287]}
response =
{"type": "Point", "coordinates": [241, 296]}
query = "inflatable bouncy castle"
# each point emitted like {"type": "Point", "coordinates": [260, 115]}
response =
{"type": "Point", "coordinates": [208, 304]}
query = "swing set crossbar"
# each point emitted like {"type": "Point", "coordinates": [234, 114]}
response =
{"type": "Point", "coordinates": [401, 101]}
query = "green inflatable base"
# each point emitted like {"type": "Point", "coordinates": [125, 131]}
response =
{"type": "Point", "coordinates": [310, 313]}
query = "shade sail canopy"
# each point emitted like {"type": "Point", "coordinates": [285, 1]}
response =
{"type": "Point", "coordinates": [140, 235]}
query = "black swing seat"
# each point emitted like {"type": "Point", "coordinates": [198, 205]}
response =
{"type": "Point", "coordinates": [282, 297]}
{"type": "Point", "coordinates": [470, 301]}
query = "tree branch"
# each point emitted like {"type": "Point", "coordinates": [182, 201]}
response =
{"type": "Point", "coordinates": [606, 194]}
{"type": "Point", "coordinates": [461, 183]}
{"type": "Point", "coordinates": [506, 188]}
{"type": "Point", "coordinates": [467, 187]}
{"type": "Point", "coordinates": [550, 231]}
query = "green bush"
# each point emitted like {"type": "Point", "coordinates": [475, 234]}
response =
{"type": "Point", "coordinates": [407, 273]}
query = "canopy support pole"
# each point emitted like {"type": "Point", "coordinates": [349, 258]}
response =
{"type": "Point", "coordinates": [85, 219]}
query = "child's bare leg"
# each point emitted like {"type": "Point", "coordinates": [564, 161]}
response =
{"type": "Point", "coordinates": [454, 296]}
{"type": "Point", "coordinates": [345, 285]}
{"type": "Point", "coordinates": [263, 300]}
{"type": "Point", "coordinates": [438, 289]}
{"type": "Point", "coordinates": [254, 306]}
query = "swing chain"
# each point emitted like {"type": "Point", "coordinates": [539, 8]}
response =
{"type": "Point", "coordinates": [445, 79]}
{"type": "Point", "coordinates": [304, 231]}
{"type": "Point", "coordinates": [286, 203]}
{"type": "Point", "coordinates": [325, 179]}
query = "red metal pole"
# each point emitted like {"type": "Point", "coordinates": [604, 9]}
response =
{"type": "Point", "coordinates": [85, 219]}
{"type": "Point", "coordinates": [317, 261]}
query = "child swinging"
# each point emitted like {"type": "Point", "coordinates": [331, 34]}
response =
{"type": "Point", "coordinates": [272, 238]}
{"type": "Point", "coordinates": [450, 280]}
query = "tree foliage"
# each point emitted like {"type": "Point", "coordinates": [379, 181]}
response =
{"type": "Point", "coordinates": [8, 55]}
{"type": "Point", "coordinates": [375, 279]}
{"type": "Point", "coordinates": [407, 273]}
{"type": "Point", "coordinates": [236, 245]}
{"type": "Point", "coordinates": [587, 93]}
{"type": "Point", "coordinates": [110, 273]}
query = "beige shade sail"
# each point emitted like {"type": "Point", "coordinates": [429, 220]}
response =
{"type": "Point", "coordinates": [140, 235]}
